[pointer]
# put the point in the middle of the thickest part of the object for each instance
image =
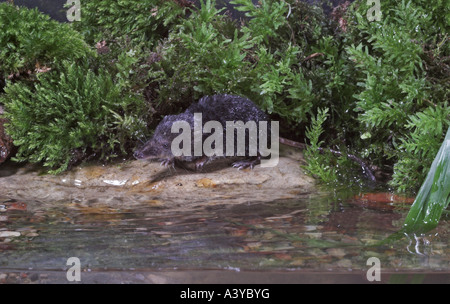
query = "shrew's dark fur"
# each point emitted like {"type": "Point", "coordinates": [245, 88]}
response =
{"type": "Point", "coordinates": [220, 108]}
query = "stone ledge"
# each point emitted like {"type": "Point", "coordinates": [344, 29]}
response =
{"type": "Point", "coordinates": [136, 182]}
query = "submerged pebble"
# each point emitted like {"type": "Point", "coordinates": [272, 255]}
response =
{"type": "Point", "coordinates": [6, 234]}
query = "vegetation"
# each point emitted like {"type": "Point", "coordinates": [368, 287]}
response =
{"type": "Point", "coordinates": [434, 195]}
{"type": "Point", "coordinates": [29, 40]}
{"type": "Point", "coordinates": [64, 104]}
{"type": "Point", "coordinates": [315, 160]}
{"type": "Point", "coordinates": [403, 75]}
{"type": "Point", "coordinates": [87, 116]}
{"type": "Point", "coordinates": [376, 88]}
{"type": "Point", "coordinates": [145, 20]}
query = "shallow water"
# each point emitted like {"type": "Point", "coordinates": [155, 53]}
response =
{"type": "Point", "coordinates": [328, 234]}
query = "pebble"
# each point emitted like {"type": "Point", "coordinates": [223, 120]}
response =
{"type": "Point", "coordinates": [298, 262]}
{"type": "Point", "coordinates": [9, 234]}
{"type": "Point", "coordinates": [34, 277]}
{"type": "Point", "coordinates": [345, 263]}
{"type": "Point", "coordinates": [337, 252]}
{"type": "Point", "coordinates": [314, 235]}
{"type": "Point", "coordinates": [205, 183]}
{"type": "Point", "coordinates": [310, 227]}
{"type": "Point", "coordinates": [316, 252]}
{"type": "Point", "coordinates": [254, 245]}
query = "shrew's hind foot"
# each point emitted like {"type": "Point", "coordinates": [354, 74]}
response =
{"type": "Point", "coordinates": [247, 163]}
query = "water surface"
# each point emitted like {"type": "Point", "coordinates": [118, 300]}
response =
{"type": "Point", "coordinates": [326, 234]}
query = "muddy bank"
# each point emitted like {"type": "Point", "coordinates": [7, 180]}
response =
{"type": "Point", "coordinates": [142, 182]}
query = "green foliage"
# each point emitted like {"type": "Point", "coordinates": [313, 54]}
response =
{"type": "Point", "coordinates": [146, 20]}
{"type": "Point", "coordinates": [203, 55]}
{"type": "Point", "coordinates": [282, 31]}
{"type": "Point", "coordinates": [393, 78]}
{"type": "Point", "coordinates": [84, 107]}
{"type": "Point", "coordinates": [28, 37]}
{"type": "Point", "coordinates": [397, 93]}
{"type": "Point", "coordinates": [316, 159]}
{"type": "Point", "coordinates": [434, 195]}
{"type": "Point", "coordinates": [265, 19]}
{"type": "Point", "coordinates": [128, 27]}
{"type": "Point", "coordinates": [422, 142]}
{"type": "Point", "coordinates": [208, 53]}
{"type": "Point", "coordinates": [291, 60]}
{"type": "Point", "coordinates": [283, 88]}
{"type": "Point", "coordinates": [72, 115]}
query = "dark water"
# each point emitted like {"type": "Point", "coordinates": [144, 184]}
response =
{"type": "Point", "coordinates": [310, 235]}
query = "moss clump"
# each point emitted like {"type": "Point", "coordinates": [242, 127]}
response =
{"type": "Point", "coordinates": [146, 21]}
{"type": "Point", "coordinates": [29, 39]}
{"type": "Point", "coordinates": [70, 115]}
{"type": "Point", "coordinates": [402, 77]}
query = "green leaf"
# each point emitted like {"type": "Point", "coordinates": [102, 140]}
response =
{"type": "Point", "coordinates": [434, 195]}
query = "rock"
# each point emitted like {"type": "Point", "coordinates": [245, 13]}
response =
{"type": "Point", "coordinates": [337, 252]}
{"type": "Point", "coordinates": [142, 182]}
{"type": "Point", "coordinates": [9, 234]}
{"type": "Point", "coordinates": [345, 263]}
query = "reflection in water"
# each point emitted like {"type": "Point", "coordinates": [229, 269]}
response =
{"type": "Point", "coordinates": [310, 233]}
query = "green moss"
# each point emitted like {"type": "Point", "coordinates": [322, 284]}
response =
{"type": "Point", "coordinates": [316, 159]}
{"type": "Point", "coordinates": [28, 37]}
{"type": "Point", "coordinates": [401, 103]}
{"type": "Point", "coordinates": [71, 115]}
{"type": "Point", "coordinates": [146, 20]}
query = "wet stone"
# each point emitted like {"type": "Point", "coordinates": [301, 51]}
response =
{"type": "Point", "coordinates": [137, 182]}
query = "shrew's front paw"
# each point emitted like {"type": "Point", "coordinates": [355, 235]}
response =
{"type": "Point", "coordinates": [168, 162]}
